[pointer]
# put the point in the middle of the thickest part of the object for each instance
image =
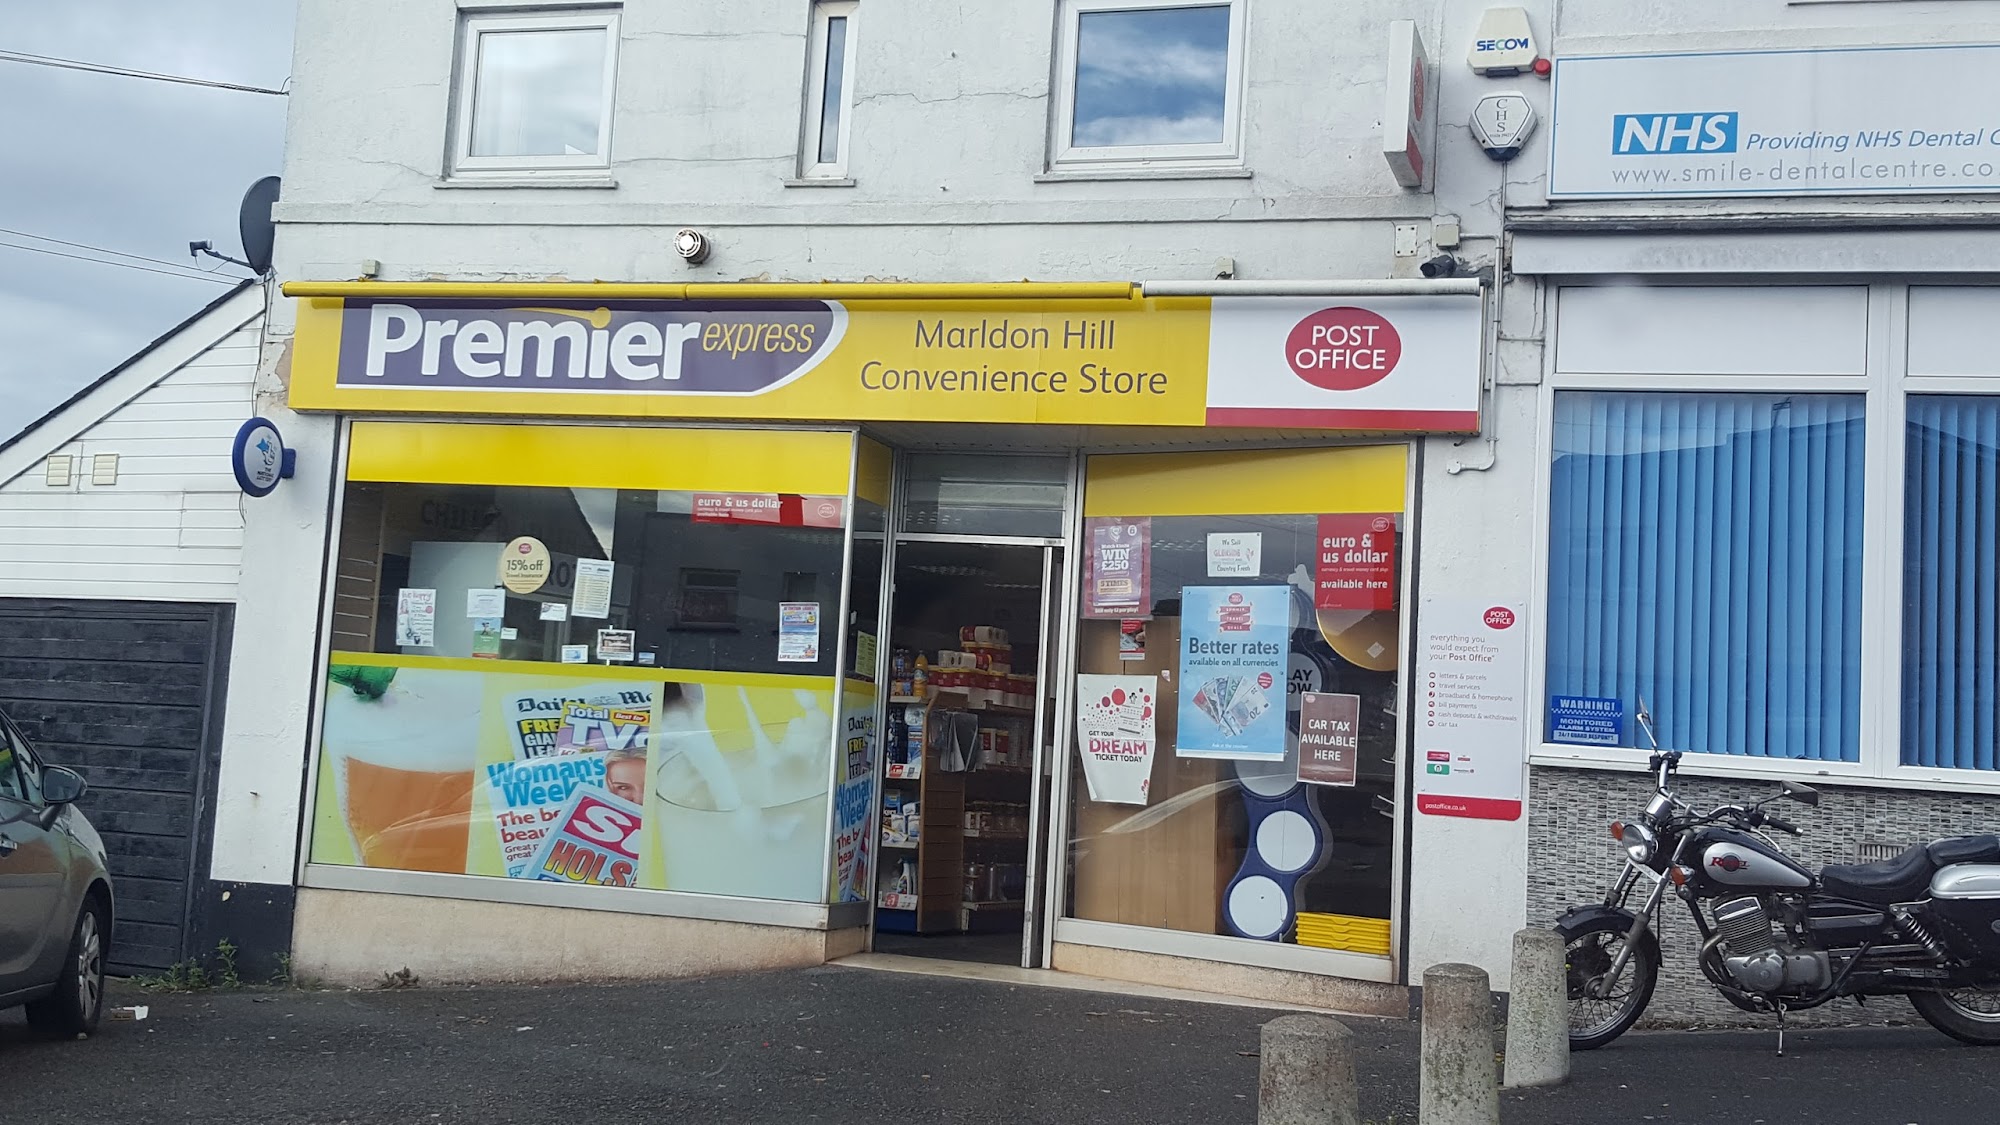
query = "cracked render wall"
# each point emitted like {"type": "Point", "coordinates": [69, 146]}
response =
{"type": "Point", "coordinates": [949, 154]}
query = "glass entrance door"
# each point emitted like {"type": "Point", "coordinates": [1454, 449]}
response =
{"type": "Point", "coordinates": [966, 747]}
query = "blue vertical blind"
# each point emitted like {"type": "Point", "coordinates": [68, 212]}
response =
{"type": "Point", "coordinates": [1951, 623]}
{"type": "Point", "coordinates": [1705, 556]}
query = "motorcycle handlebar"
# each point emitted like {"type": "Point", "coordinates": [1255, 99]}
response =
{"type": "Point", "coordinates": [1781, 824]}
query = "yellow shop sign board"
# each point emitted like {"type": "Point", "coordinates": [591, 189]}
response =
{"type": "Point", "coordinates": [1382, 363]}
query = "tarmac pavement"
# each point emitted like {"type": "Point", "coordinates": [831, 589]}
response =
{"type": "Point", "coordinates": [846, 1045]}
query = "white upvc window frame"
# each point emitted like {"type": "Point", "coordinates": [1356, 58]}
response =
{"type": "Point", "coordinates": [1886, 386]}
{"type": "Point", "coordinates": [476, 22]}
{"type": "Point", "coordinates": [1064, 156]}
{"type": "Point", "coordinates": [814, 100]}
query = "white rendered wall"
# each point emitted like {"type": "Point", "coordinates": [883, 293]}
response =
{"type": "Point", "coordinates": [169, 528]}
{"type": "Point", "coordinates": [265, 728]}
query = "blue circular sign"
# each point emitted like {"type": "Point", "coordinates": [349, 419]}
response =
{"type": "Point", "coordinates": [259, 457]}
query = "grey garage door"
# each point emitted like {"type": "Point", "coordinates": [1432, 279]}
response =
{"type": "Point", "coordinates": [129, 694]}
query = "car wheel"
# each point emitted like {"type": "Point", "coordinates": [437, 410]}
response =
{"type": "Point", "coordinates": [78, 1001]}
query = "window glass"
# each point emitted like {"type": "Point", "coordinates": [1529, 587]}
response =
{"type": "Point", "coordinates": [1207, 645]}
{"type": "Point", "coordinates": [1705, 559]}
{"type": "Point", "coordinates": [985, 494]}
{"type": "Point", "coordinates": [617, 687]}
{"type": "Point", "coordinates": [10, 777]}
{"type": "Point", "coordinates": [539, 93]}
{"type": "Point", "coordinates": [855, 827]}
{"type": "Point", "coordinates": [1151, 76]}
{"type": "Point", "coordinates": [831, 84]}
{"type": "Point", "coordinates": [1951, 585]}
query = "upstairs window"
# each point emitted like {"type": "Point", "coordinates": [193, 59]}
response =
{"type": "Point", "coordinates": [1148, 81]}
{"type": "Point", "coordinates": [534, 92]}
{"type": "Point", "coordinates": [829, 90]}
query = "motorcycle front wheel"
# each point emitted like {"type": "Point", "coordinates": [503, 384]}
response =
{"type": "Point", "coordinates": [1597, 1015]}
{"type": "Point", "coordinates": [1969, 1015]}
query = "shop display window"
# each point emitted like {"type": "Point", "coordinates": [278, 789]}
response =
{"type": "Point", "coordinates": [1705, 557]}
{"type": "Point", "coordinates": [1208, 645]}
{"type": "Point", "coordinates": [619, 687]}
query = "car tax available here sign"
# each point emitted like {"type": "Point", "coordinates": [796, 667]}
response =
{"type": "Point", "coordinates": [1838, 121]}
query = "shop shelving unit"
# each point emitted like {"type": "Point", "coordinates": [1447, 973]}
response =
{"type": "Point", "coordinates": [938, 905]}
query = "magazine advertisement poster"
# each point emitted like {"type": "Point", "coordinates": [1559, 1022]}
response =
{"type": "Point", "coordinates": [853, 798]}
{"type": "Point", "coordinates": [595, 841]}
{"type": "Point", "coordinates": [716, 782]}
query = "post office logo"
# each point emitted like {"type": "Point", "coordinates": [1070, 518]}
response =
{"type": "Point", "coordinates": [1343, 348]}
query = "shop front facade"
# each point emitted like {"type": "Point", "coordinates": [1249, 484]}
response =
{"type": "Point", "coordinates": [777, 677]}
{"type": "Point", "coordinates": [645, 603]}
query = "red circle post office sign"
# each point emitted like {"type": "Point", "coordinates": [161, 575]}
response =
{"type": "Point", "coordinates": [1343, 348]}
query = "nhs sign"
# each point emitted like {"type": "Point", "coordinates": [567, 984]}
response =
{"type": "Point", "coordinates": [1823, 121]}
{"type": "Point", "coordinates": [1654, 134]}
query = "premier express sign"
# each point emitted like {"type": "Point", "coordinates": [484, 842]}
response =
{"type": "Point", "coordinates": [1381, 364]}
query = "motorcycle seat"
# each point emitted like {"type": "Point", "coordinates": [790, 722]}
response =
{"type": "Point", "coordinates": [1902, 879]}
{"type": "Point", "coordinates": [1966, 849]}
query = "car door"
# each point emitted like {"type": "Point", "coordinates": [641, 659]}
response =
{"type": "Point", "coordinates": [31, 870]}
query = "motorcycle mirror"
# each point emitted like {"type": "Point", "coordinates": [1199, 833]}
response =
{"type": "Point", "coordinates": [1803, 794]}
{"type": "Point", "coordinates": [1644, 717]}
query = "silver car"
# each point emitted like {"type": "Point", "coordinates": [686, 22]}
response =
{"type": "Point", "coordinates": [55, 896]}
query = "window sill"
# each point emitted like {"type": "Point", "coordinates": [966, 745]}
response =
{"type": "Point", "coordinates": [526, 180]}
{"type": "Point", "coordinates": [1088, 175]}
{"type": "Point", "coordinates": [820, 182]}
{"type": "Point", "coordinates": [1765, 769]}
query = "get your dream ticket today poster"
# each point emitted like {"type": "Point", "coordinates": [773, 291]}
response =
{"type": "Point", "coordinates": [1235, 642]}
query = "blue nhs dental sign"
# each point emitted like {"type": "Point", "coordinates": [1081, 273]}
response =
{"type": "Point", "coordinates": [1635, 133]}
{"type": "Point", "coordinates": [1852, 121]}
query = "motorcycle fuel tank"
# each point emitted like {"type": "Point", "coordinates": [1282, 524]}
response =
{"type": "Point", "coordinates": [1738, 859]}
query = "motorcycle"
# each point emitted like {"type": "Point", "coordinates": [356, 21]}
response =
{"type": "Point", "coordinates": [1777, 938]}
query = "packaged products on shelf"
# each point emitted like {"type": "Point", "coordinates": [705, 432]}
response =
{"type": "Point", "coordinates": [994, 882]}
{"type": "Point", "coordinates": [900, 820]}
{"type": "Point", "coordinates": [950, 659]}
{"type": "Point", "coordinates": [996, 819]}
{"type": "Point", "coordinates": [982, 635]}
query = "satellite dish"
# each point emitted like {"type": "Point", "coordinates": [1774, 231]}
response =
{"type": "Point", "coordinates": [254, 223]}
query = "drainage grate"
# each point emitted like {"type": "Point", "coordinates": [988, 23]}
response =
{"type": "Point", "coordinates": [1873, 853]}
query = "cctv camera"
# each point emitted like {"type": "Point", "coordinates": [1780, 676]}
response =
{"type": "Point", "coordinates": [1444, 265]}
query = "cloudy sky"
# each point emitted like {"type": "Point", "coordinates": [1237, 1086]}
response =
{"type": "Point", "coordinates": [135, 166]}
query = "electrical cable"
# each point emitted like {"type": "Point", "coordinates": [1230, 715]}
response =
{"type": "Point", "coordinates": [126, 72]}
{"type": "Point", "coordinates": [102, 250]}
{"type": "Point", "coordinates": [195, 276]}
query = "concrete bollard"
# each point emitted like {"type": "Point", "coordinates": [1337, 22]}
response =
{"type": "Point", "coordinates": [1456, 1083]}
{"type": "Point", "coordinates": [1306, 1073]}
{"type": "Point", "coordinates": [1538, 1011]}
